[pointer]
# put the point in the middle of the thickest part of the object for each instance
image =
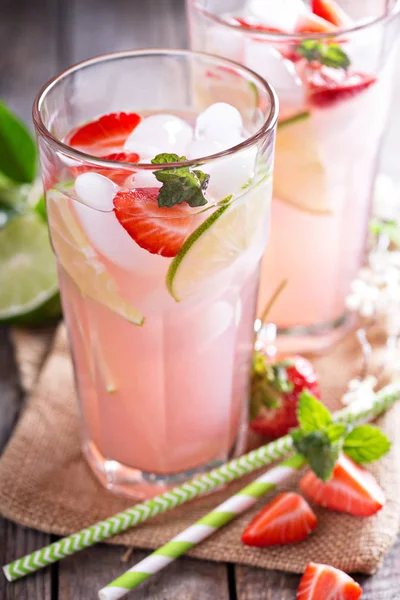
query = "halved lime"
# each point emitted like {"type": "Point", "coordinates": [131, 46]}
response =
{"type": "Point", "coordinates": [28, 275]}
{"type": "Point", "coordinates": [80, 260]}
{"type": "Point", "coordinates": [299, 175]}
{"type": "Point", "coordinates": [219, 241]}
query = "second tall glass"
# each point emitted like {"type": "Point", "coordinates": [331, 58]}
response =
{"type": "Point", "coordinates": [334, 86]}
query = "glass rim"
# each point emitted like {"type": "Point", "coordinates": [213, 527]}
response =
{"type": "Point", "coordinates": [267, 127]}
{"type": "Point", "coordinates": [277, 36]}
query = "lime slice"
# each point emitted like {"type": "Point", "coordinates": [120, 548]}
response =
{"type": "Point", "coordinates": [80, 260]}
{"type": "Point", "coordinates": [28, 275]}
{"type": "Point", "coordinates": [299, 175]}
{"type": "Point", "coordinates": [219, 241]}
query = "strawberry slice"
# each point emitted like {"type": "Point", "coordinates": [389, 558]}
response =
{"type": "Point", "coordinates": [331, 11]}
{"type": "Point", "coordinates": [248, 24]}
{"type": "Point", "coordinates": [327, 86]}
{"type": "Point", "coordinates": [320, 582]}
{"type": "Point", "coordinates": [157, 230]}
{"type": "Point", "coordinates": [310, 23]}
{"type": "Point", "coordinates": [352, 489]}
{"type": "Point", "coordinates": [287, 519]}
{"type": "Point", "coordinates": [109, 132]}
{"type": "Point", "coordinates": [118, 176]}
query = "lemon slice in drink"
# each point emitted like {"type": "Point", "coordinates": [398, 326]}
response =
{"type": "Point", "coordinates": [28, 274]}
{"type": "Point", "coordinates": [219, 241]}
{"type": "Point", "coordinates": [299, 175]}
{"type": "Point", "coordinates": [80, 260]}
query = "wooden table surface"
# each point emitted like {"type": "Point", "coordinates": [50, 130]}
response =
{"type": "Point", "coordinates": [38, 38]}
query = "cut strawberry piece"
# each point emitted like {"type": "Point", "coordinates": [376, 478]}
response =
{"type": "Point", "coordinates": [116, 175]}
{"type": "Point", "coordinates": [310, 23]}
{"type": "Point", "coordinates": [109, 132]}
{"type": "Point", "coordinates": [320, 582]}
{"type": "Point", "coordinates": [287, 519]}
{"type": "Point", "coordinates": [327, 86]}
{"type": "Point", "coordinates": [274, 409]}
{"type": "Point", "coordinates": [331, 11]}
{"type": "Point", "coordinates": [249, 24]}
{"type": "Point", "coordinates": [352, 489]}
{"type": "Point", "coordinates": [157, 230]}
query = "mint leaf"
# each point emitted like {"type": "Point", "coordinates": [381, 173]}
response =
{"type": "Point", "coordinates": [336, 432]}
{"type": "Point", "coordinates": [180, 184]}
{"type": "Point", "coordinates": [318, 450]}
{"type": "Point", "coordinates": [17, 148]}
{"type": "Point", "coordinates": [366, 443]}
{"type": "Point", "coordinates": [327, 54]}
{"type": "Point", "coordinates": [312, 414]}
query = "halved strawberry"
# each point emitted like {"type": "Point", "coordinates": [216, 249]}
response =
{"type": "Point", "coordinates": [109, 132]}
{"type": "Point", "coordinates": [320, 582]}
{"type": "Point", "coordinates": [310, 23]}
{"type": "Point", "coordinates": [331, 11]}
{"type": "Point", "coordinates": [116, 175]}
{"type": "Point", "coordinates": [327, 86]}
{"type": "Point", "coordinates": [352, 489]}
{"type": "Point", "coordinates": [157, 230]}
{"type": "Point", "coordinates": [287, 519]}
{"type": "Point", "coordinates": [275, 392]}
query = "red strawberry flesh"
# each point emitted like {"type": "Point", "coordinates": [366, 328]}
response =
{"type": "Point", "coordinates": [157, 230]}
{"type": "Point", "coordinates": [323, 582]}
{"type": "Point", "coordinates": [115, 174]}
{"type": "Point", "coordinates": [285, 520]}
{"type": "Point", "coordinates": [352, 489]}
{"type": "Point", "coordinates": [331, 11]}
{"type": "Point", "coordinates": [108, 133]}
{"type": "Point", "coordinates": [328, 86]}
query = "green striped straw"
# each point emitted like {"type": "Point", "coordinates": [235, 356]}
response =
{"type": "Point", "coordinates": [357, 412]}
{"type": "Point", "coordinates": [207, 526]}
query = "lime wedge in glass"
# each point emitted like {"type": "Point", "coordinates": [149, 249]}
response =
{"type": "Point", "coordinates": [28, 275]}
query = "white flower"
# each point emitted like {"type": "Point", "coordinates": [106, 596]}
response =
{"type": "Point", "coordinates": [359, 389]}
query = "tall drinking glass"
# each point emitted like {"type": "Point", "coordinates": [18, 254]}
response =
{"type": "Point", "coordinates": [158, 263]}
{"type": "Point", "coordinates": [334, 87]}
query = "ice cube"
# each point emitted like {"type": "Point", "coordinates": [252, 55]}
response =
{"type": "Point", "coordinates": [225, 42]}
{"type": "Point", "coordinates": [142, 179]}
{"type": "Point", "coordinates": [229, 175]}
{"type": "Point", "coordinates": [276, 13]}
{"type": "Point", "coordinates": [201, 148]}
{"type": "Point", "coordinates": [96, 191]}
{"type": "Point", "coordinates": [220, 122]}
{"type": "Point", "coordinates": [281, 73]}
{"type": "Point", "coordinates": [167, 132]}
{"type": "Point", "coordinates": [113, 243]}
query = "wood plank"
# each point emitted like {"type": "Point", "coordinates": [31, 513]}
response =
{"type": "Point", "coordinates": [257, 584]}
{"type": "Point", "coordinates": [82, 575]}
{"type": "Point", "coordinates": [17, 541]}
{"type": "Point", "coordinates": [28, 51]}
{"type": "Point", "coordinates": [10, 391]}
{"type": "Point", "coordinates": [101, 26]}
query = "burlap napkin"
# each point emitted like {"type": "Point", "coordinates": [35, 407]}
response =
{"type": "Point", "coordinates": [45, 482]}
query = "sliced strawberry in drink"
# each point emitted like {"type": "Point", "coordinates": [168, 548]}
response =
{"type": "Point", "coordinates": [352, 489]}
{"type": "Point", "coordinates": [116, 175]}
{"type": "Point", "coordinates": [331, 11]}
{"type": "Point", "coordinates": [327, 86]}
{"type": "Point", "coordinates": [108, 133]}
{"type": "Point", "coordinates": [320, 582]}
{"type": "Point", "coordinates": [252, 24]}
{"type": "Point", "coordinates": [287, 519]}
{"type": "Point", "coordinates": [157, 230]}
{"type": "Point", "coordinates": [310, 23]}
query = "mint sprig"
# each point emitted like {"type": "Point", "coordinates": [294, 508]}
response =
{"type": "Point", "coordinates": [180, 184]}
{"type": "Point", "coordinates": [320, 440]}
{"type": "Point", "coordinates": [327, 54]}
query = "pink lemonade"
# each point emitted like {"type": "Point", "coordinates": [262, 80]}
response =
{"type": "Point", "coordinates": [159, 294]}
{"type": "Point", "coordinates": [334, 91]}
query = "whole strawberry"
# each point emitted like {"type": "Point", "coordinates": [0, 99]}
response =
{"type": "Point", "coordinates": [275, 391]}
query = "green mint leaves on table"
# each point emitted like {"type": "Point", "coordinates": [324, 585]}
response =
{"type": "Point", "coordinates": [320, 440]}
{"type": "Point", "coordinates": [180, 184]}
{"type": "Point", "coordinates": [330, 55]}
